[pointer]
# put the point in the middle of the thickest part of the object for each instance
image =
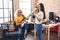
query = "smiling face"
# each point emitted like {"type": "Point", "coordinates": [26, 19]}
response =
{"type": "Point", "coordinates": [37, 9]}
{"type": "Point", "coordinates": [19, 12]}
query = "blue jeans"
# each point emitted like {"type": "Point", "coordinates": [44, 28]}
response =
{"type": "Point", "coordinates": [26, 26]}
{"type": "Point", "coordinates": [39, 31]}
{"type": "Point", "coordinates": [19, 33]}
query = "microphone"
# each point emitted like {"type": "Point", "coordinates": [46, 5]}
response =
{"type": "Point", "coordinates": [10, 16]}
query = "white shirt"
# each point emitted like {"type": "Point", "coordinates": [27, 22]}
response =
{"type": "Point", "coordinates": [39, 15]}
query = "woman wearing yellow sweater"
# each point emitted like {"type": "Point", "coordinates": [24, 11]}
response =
{"type": "Point", "coordinates": [18, 20]}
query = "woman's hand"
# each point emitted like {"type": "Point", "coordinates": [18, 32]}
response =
{"type": "Point", "coordinates": [38, 19]}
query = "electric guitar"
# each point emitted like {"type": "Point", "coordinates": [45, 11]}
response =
{"type": "Point", "coordinates": [26, 19]}
{"type": "Point", "coordinates": [22, 23]}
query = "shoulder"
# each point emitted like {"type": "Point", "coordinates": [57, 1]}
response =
{"type": "Point", "coordinates": [16, 17]}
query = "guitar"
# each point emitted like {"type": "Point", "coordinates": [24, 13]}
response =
{"type": "Point", "coordinates": [26, 19]}
{"type": "Point", "coordinates": [11, 26]}
{"type": "Point", "coordinates": [22, 23]}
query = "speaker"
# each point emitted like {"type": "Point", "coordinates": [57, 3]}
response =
{"type": "Point", "coordinates": [51, 15]}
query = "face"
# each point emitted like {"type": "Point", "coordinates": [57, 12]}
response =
{"type": "Point", "coordinates": [37, 9]}
{"type": "Point", "coordinates": [19, 12]}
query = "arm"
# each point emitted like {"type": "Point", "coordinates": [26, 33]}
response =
{"type": "Point", "coordinates": [39, 19]}
{"type": "Point", "coordinates": [32, 12]}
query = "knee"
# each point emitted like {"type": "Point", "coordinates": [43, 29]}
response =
{"type": "Point", "coordinates": [19, 31]}
{"type": "Point", "coordinates": [26, 26]}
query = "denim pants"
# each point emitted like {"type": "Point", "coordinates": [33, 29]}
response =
{"type": "Point", "coordinates": [19, 33]}
{"type": "Point", "coordinates": [39, 31]}
{"type": "Point", "coordinates": [26, 26]}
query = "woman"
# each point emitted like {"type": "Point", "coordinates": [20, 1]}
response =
{"type": "Point", "coordinates": [39, 16]}
{"type": "Point", "coordinates": [19, 18]}
{"type": "Point", "coordinates": [18, 21]}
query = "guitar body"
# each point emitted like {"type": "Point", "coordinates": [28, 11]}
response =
{"type": "Point", "coordinates": [12, 30]}
{"type": "Point", "coordinates": [11, 27]}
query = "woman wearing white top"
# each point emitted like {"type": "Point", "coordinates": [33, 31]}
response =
{"type": "Point", "coordinates": [39, 16]}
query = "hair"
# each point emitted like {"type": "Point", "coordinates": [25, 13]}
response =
{"type": "Point", "coordinates": [19, 11]}
{"type": "Point", "coordinates": [15, 14]}
{"type": "Point", "coordinates": [42, 9]}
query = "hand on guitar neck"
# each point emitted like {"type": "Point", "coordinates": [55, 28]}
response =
{"type": "Point", "coordinates": [24, 21]}
{"type": "Point", "coordinates": [32, 13]}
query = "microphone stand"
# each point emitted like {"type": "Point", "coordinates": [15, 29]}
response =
{"type": "Point", "coordinates": [8, 25]}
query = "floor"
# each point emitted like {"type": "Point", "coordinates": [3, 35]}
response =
{"type": "Point", "coordinates": [58, 38]}
{"type": "Point", "coordinates": [29, 37]}
{"type": "Point", "coordinates": [54, 36]}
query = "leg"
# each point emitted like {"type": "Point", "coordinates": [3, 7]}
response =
{"type": "Point", "coordinates": [46, 30]}
{"type": "Point", "coordinates": [35, 38]}
{"type": "Point", "coordinates": [26, 28]}
{"type": "Point", "coordinates": [48, 33]}
{"type": "Point", "coordinates": [39, 31]}
{"type": "Point", "coordinates": [19, 33]}
{"type": "Point", "coordinates": [23, 33]}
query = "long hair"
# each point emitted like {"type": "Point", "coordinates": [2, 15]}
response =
{"type": "Point", "coordinates": [15, 14]}
{"type": "Point", "coordinates": [42, 9]}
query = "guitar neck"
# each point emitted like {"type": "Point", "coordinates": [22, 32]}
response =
{"type": "Point", "coordinates": [24, 21]}
{"type": "Point", "coordinates": [28, 16]}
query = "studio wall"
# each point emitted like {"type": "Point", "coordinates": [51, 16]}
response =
{"type": "Point", "coordinates": [51, 6]}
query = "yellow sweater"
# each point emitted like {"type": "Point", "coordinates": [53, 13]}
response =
{"type": "Point", "coordinates": [19, 19]}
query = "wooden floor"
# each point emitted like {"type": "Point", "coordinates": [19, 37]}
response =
{"type": "Point", "coordinates": [54, 36]}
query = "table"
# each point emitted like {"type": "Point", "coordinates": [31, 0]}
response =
{"type": "Point", "coordinates": [48, 27]}
{"type": "Point", "coordinates": [59, 32]}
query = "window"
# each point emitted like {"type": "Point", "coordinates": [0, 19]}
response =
{"type": "Point", "coordinates": [25, 6]}
{"type": "Point", "coordinates": [5, 10]}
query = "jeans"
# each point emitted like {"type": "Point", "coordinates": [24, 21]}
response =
{"type": "Point", "coordinates": [26, 26]}
{"type": "Point", "coordinates": [39, 31]}
{"type": "Point", "coordinates": [19, 33]}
